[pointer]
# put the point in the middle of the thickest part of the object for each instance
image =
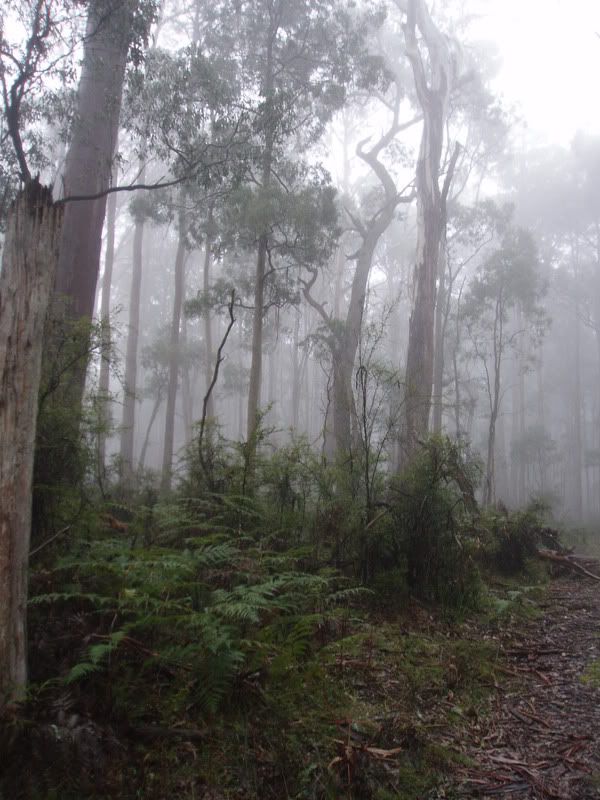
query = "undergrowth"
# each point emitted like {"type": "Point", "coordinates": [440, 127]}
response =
{"type": "Point", "coordinates": [267, 630]}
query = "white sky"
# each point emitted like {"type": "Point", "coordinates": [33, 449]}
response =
{"type": "Point", "coordinates": [551, 62]}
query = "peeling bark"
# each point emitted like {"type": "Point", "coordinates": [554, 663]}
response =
{"type": "Point", "coordinates": [28, 270]}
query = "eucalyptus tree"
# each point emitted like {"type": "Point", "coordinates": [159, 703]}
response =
{"type": "Point", "coordinates": [473, 230]}
{"type": "Point", "coordinates": [379, 207]}
{"type": "Point", "coordinates": [33, 258]}
{"type": "Point", "coordinates": [115, 31]}
{"type": "Point", "coordinates": [105, 355]}
{"type": "Point", "coordinates": [295, 57]}
{"type": "Point", "coordinates": [139, 214]}
{"type": "Point", "coordinates": [29, 258]}
{"type": "Point", "coordinates": [476, 118]}
{"type": "Point", "coordinates": [181, 106]}
{"type": "Point", "coordinates": [435, 66]}
{"type": "Point", "coordinates": [508, 279]}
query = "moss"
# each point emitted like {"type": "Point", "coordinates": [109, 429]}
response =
{"type": "Point", "coordinates": [591, 675]}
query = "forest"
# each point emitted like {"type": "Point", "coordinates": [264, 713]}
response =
{"type": "Point", "coordinates": [299, 404]}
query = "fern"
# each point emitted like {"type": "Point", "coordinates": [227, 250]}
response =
{"type": "Point", "coordinates": [96, 654]}
{"type": "Point", "coordinates": [80, 671]}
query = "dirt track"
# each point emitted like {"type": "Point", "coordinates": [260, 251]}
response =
{"type": "Point", "coordinates": [542, 739]}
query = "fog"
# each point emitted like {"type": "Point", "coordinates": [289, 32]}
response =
{"type": "Point", "coordinates": [297, 183]}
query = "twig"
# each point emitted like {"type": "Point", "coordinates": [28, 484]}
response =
{"type": "Point", "coordinates": [48, 541]}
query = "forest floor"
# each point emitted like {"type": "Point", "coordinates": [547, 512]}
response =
{"type": "Point", "coordinates": [506, 706]}
{"type": "Point", "coordinates": [541, 738]}
{"type": "Point", "coordinates": [393, 701]}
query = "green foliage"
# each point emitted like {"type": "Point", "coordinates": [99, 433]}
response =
{"type": "Point", "coordinates": [208, 608]}
{"type": "Point", "coordinates": [235, 610]}
{"type": "Point", "coordinates": [67, 428]}
{"type": "Point", "coordinates": [433, 510]}
{"type": "Point", "coordinates": [512, 539]}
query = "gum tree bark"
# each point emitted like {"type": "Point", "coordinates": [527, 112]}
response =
{"type": "Point", "coordinates": [104, 379]}
{"type": "Point", "coordinates": [261, 256]}
{"type": "Point", "coordinates": [28, 270]}
{"type": "Point", "coordinates": [493, 391]}
{"type": "Point", "coordinates": [442, 305]}
{"type": "Point", "coordinates": [131, 356]}
{"type": "Point", "coordinates": [208, 346]}
{"type": "Point", "coordinates": [88, 165]}
{"type": "Point", "coordinates": [174, 358]}
{"type": "Point", "coordinates": [433, 84]}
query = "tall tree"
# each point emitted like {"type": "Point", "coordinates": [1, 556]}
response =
{"type": "Point", "coordinates": [508, 278]}
{"type": "Point", "coordinates": [28, 268]}
{"type": "Point", "coordinates": [435, 77]}
{"type": "Point", "coordinates": [343, 335]}
{"type": "Point", "coordinates": [174, 360]}
{"type": "Point", "coordinates": [88, 165]}
{"type": "Point", "coordinates": [29, 262]}
{"type": "Point", "coordinates": [131, 356]}
{"type": "Point", "coordinates": [105, 355]}
{"type": "Point", "coordinates": [295, 55]}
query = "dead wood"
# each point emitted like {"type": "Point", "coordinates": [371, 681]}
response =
{"type": "Point", "coordinates": [567, 561]}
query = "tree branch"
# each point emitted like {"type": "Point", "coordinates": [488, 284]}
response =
{"type": "Point", "coordinates": [209, 391]}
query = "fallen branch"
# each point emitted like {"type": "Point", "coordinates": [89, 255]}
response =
{"type": "Point", "coordinates": [46, 542]}
{"type": "Point", "coordinates": [567, 561]}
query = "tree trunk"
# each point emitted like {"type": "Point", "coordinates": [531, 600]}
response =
{"type": "Point", "coordinates": [131, 357]}
{"type": "Point", "coordinates": [28, 271]}
{"type": "Point", "coordinates": [174, 360]}
{"type": "Point", "coordinates": [502, 482]}
{"type": "Point", "coordinates": [521, 420]}
{"type": "Point", "coordinates": [296, 374]}
{"type": "Point", "coordinates": [104, 379]}
{"type": "Point", "coordinates": [187, 397]}
{"type": "Point", "coordinates": [345, 337]}
{"type": "Point", "coordinates": [263, 246]}
{"type": "Point", "coordinates": [441, 319]}
{"type": "Point", "coordinates": [257, 338]}
{"type": "Point", "coordinates": [433, 87]}
{"type": "Point", "coordinates": [577, 504]}
{"type": "Point", "coordinates": [155, 408]}
{"type": "Point", "coordinates": [208, 345]}
{"type": "Point", "coordinates": [489, 494]}
{"type": "Point", "coordinates": [89, 161]}
{"type": "Point", "coordinates": [272, 395]}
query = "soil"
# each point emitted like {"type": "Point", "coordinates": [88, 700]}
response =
{"type": "Point", "coordinates": [542, 737]}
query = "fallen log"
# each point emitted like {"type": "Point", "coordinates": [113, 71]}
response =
{"type": "Point", "coordinates": [567, 561]}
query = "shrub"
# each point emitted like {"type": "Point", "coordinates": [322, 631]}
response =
{"type": "Point", "coordinates": [511, 539]}
{"type": "Point", "coordinates": [433, 511]}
